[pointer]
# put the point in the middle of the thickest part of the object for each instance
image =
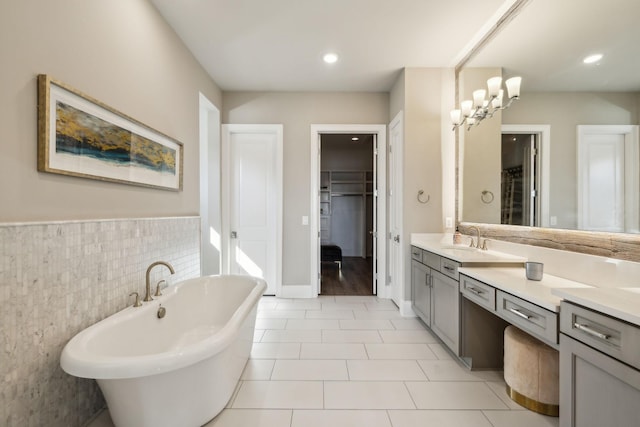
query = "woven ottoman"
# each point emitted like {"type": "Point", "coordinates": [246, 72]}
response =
{"type": "Point", "coordinates": [531, 372]}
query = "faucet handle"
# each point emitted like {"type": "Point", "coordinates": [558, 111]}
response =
{"type": "Point", "coordinates": [484, 244]}
{"type": "Point", "coordinates": [158, 293]}
{"type": "Point", "coordinates": [471, 244]}
{"type": "Point", "coordinates": [137, 303]}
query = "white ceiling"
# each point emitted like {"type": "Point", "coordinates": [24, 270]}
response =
{"type": "Point", "coordinates": [546, 42]}
{"type": "Point", "coordinates": [277, 45]}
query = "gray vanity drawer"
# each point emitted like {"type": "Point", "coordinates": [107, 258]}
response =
{"type": "Point", "coordinates": [478, 292]}
{"type": "Point", "coordinates": [416, 253]}
{"type": "Point", "coordinates": [531, 318]}
{"type": "Point", "coordinates": [431, 259]}
{"type": "Point", "coordinates": [449, 268]}
{"type": "Point", "coordinates": [613, 337]}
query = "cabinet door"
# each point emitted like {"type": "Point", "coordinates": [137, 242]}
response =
{"type": "Point", "coordinates": [596, 390]}
{"type": "Point", "coordinates": [421, 291]}
{"type": "Point", "coordinates": [445, 309]}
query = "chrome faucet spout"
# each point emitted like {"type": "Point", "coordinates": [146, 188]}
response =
{"type": "Point", "coordinates": [147, 296]}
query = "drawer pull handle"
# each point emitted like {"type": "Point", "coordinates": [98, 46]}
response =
{"type": "Point", "coordinates": [475, 291]}
{"type": "Point", "coordinates": [519, 313]}
{"type": "Point", "coordinates": [416, 254]}
{"type": "Point", "coordinates": [446, 267]}
{"type": "Point", "coordinates": [590, 331]}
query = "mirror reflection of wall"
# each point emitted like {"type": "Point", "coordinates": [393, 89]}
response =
{"type": "Point", "coordinates": [545, 44]}
{"type": "Point", "coordinates": [480, 156]}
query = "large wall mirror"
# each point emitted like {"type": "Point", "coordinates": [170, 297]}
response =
{"type": "Point", "coordinates": [565, 156]}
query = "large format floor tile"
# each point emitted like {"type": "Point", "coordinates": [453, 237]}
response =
{"type": "Point", "coordinates": [343, 361]}
{"type": "Point", "coordinates": [340, 418]}
{"type": "Point", "coordinates": [292, 335]}
{"type": "Point", "coordinates": [422, 418]}
{"type": "Point", "coordinates": [520, 419]}
{"type": "Point", "coordinates": [451, 370]}
{"type": "Point", "coordinates": [310, 370]}
{"type": "Point", "coordinates": [252, 417]}
{"type": "Point", "coordinates": [366, 395]}
{"type": "Point", "coordinates": [275, 351]}
{"type": "Point", "coordinates": [354, 337]}
{"type": "Point", "coordinates": [385, 370]}
{"type": "Point", "coordinates": [280, 395]}
{"type": "Point", "coordinates": [400, 351]}
{"type": "Point", "coordinates": [333, 351]}
{"type": "Point", "coordinates": [454, 395]}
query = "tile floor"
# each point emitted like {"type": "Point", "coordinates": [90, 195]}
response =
{"type": "Point", "coordinates": [344, 361]}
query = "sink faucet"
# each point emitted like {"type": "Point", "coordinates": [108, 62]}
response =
{"type": "Point", "coordinates": [477, 244]}
{"type": "Point", "coordinates": [147, 296]}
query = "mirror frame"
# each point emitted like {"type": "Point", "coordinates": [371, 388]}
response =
{"type": "Point", "coordinates": [623, 246]}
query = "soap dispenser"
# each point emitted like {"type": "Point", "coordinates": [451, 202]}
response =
{"type": "Point", "coordinates": [457, 237]}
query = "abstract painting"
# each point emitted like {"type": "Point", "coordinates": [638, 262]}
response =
{"type": "Point", "coordinates": [80, 136]}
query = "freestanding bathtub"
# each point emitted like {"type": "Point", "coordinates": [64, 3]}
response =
{"type": "Point", "coordinates": [179, 370]}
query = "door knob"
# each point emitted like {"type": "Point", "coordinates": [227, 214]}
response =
{"type": "Point", "coordinates": [234, 234]}
{"type": "Point", "coordinates": [397, 238]}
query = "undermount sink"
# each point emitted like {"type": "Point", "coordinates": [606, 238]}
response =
{"type": "Point", "coordinates": [465, 248]}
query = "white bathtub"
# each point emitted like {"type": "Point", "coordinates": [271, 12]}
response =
{"type": "Point", "coordinates": [180, 370]}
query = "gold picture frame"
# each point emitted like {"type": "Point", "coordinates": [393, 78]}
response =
{"type": "Point", "coordinates": [82, 137]}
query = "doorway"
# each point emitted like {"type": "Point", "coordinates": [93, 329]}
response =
{"type": "Point", "coordinates": [347, 212]}
{"type": "Point", "coordinates": [519, 179]}
{"type": "Point", "coordinates": [524, 198]}
{"type": "Point", "coordinates": [379, 285]}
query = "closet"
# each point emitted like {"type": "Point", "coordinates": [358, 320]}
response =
{"type": "Point", "coordinates": [346, 211]}
{"type": "Point", "coordinates": [346, 194]}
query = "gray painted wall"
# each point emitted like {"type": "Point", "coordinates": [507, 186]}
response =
{"type": "Point", "coordinates": [125, 56]}
{"type": "Point", "coordinates": [297, 111]}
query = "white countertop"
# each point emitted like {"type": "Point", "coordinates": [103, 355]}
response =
{"type": "Point", "coordinates": [461, 253]}
{"type": "Point", "coordinates": [513, 281]}
{"type": "Point", "coordinates": [623, 303]}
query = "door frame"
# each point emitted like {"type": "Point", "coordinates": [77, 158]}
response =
{"type": "Point", "coordinates": [314, 214]}
{"type": "Point", "coordinates": [227, 131]}
{"type": "Point", "coordinates": [544, 132]}
{"type": "Point", "coordinates": [210, 214]}
{"type": "Point", "coordinates": [396, 164]}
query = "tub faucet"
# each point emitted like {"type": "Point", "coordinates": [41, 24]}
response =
{"type": "Point", "coordinates": [147, 296]}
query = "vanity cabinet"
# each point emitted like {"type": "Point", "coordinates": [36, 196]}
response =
{"type": "Point", "coordinates": [599, 369]}
{"type": "Point", "coordinates": [421, 291]}
{"type": "Point", "coordinates": [445, 309]}
{"type": "Point", "coordinates": [434, 295]}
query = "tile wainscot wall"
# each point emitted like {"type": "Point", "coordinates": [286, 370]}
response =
{"type": "Point", "coordinates": [58, 278]}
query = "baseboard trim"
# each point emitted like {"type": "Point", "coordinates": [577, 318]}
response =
{"type": "Point", "coordinates": [295, 291]}
{"type": "Point", "coordinates": [406, 310]}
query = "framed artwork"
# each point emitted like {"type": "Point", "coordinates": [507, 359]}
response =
{"type": "Point", "coordinates": [80, 136]}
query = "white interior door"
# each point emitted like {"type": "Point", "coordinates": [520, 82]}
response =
{"type": "Point", "coordinates": [601, 178]}
{"type": "Point", "coordinates": [254, 202]}
{"type": "Point", "coordinates": [395, 211]}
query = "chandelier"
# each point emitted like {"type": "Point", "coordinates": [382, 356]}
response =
{"type": "Point", "coordinates": [473, 112]}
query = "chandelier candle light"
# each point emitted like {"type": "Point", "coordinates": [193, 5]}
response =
{"type": "Point", "coordinates": [473, 112]}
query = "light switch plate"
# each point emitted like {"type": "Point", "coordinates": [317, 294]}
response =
{"type": "Point", "coordinates": [305, 220]}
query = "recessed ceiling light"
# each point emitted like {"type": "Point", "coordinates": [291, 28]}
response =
{"type": "Point", "coordinates": [355, 138]}
{"type": "Point", "coordinates": [591, 59]}
{"type": "Point", "coordinates": [330, 58]}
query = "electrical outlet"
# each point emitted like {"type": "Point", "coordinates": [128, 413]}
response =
{"type": "Point", "coordinates": [553, 220]}
{"type": "Point", "coordinates": [305, 220]}
{"type": "Point", "coordinates": [448, 222]}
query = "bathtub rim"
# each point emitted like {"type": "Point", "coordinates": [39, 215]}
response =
{"type": "Point", "coordinates": [77, 361]}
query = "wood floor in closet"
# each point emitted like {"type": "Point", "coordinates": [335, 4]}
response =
{"type": "Point", "coordinates": [355, 277]}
